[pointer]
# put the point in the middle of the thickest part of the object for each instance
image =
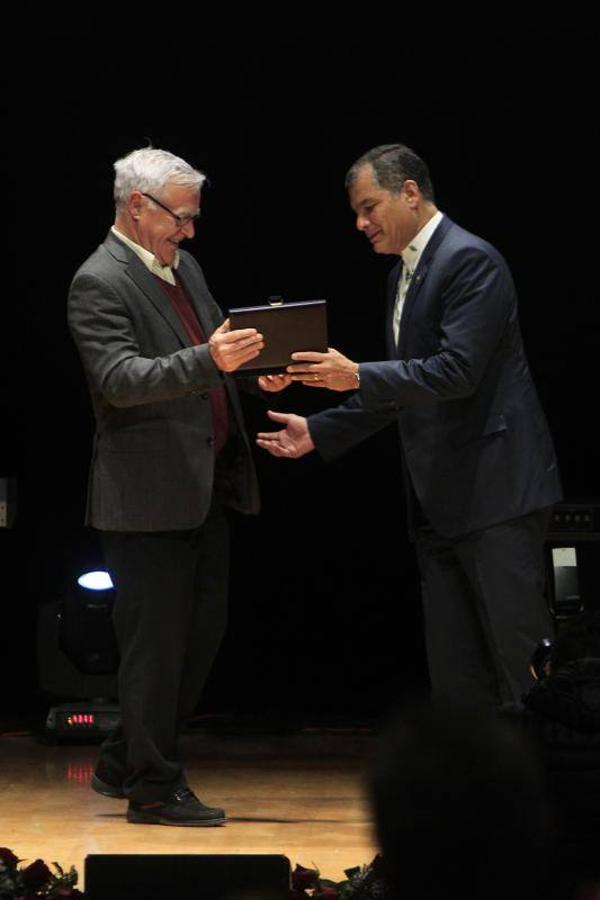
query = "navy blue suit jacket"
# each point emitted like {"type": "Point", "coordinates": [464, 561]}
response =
{"type": "Point", "coordinates": [474, 437]}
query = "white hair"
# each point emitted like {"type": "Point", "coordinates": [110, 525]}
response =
{"type": "Point", "coordinates": [149, 170]}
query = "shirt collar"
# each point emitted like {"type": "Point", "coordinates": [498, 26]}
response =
{"type": "Point", "coordinates": [412, 252]}
{"type": "Point", "coordinates": [149, 259]}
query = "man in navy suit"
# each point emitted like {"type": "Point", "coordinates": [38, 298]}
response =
{"type": "Point", "coordinates": [478, 460]}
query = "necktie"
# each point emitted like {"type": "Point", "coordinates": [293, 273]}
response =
{"type": "Point", "coordinates": [403, 285]}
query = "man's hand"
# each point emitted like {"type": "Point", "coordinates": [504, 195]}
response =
{"type": "Point", "coordinates": [230, 349]}
{"type": "Point", "coordinates": [294, 441]}
{"type": "Point", "coordinates": [329, 370]}
{"type": "Point", "coordinates": [274, 383]}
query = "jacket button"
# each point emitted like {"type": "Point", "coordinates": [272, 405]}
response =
{"type": "Point", "coordinates": [204, 395]}
{"type": "Point", "coordinates": [210, 441]}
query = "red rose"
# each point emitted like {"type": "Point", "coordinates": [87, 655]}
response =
{"type": "Point", "coordinates": [70, 892]}
{"type": "Point", "coordinates": [8, 858]}
{"type": "Point", "coordinates": [304, 878]}
{"type": "Point", "coordinates": [327, 894]}
{"type": "Point", "coordinates": [36, 875]}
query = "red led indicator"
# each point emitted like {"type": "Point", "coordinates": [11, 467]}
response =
{"type": "Point", "coordinates": [81, 719]}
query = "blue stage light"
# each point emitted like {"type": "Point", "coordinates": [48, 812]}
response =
{"type": "Point", "coordinates": [95, 581]}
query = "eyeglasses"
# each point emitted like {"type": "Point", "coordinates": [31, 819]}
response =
{"type": "Point", "coordinates": [182, 221]}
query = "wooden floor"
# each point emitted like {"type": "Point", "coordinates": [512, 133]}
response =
{"type": "Point", "coordinates": [299, 795]}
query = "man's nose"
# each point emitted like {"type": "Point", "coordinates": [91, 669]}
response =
{"type": "Point", "coordinates": [361, 222]}
{"type": "Point", "coordinates": [189, 229]}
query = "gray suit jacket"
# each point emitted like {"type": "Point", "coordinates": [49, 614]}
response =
{"type": "Point", "coordinates": [153, 462]}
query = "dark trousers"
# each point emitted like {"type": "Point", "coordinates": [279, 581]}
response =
{"type": "Point", "coordinates": [170, 615]}
{"type": "Point", "coordinates": [484, 608]}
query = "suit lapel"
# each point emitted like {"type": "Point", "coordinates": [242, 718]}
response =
{"type": "Point", "coordinates": [418, 279]}
{"type": "Point", "coordinates": [411, 294]}
{"type": "Point", "coordinates": [147, 284]}
{"type": "Point", "coordinates": [196, 290]}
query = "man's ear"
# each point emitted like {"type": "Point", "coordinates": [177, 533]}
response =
{"type": "Point", "coordinates": [136, 204]}
{"type": "Point", "coordinates": [412, 192]}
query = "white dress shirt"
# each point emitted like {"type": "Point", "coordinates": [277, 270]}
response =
{"type": "Point", "coordinates": [149, 259]}
{"type": "Point", "coordinates": [410, 259]}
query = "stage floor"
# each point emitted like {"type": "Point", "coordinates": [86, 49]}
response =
{"type": "Point", "coordinates": [299, 795]}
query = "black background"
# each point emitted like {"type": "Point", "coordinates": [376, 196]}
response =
{"type": "Point", "coordinates": [325, 618]}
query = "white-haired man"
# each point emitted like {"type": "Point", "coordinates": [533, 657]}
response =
{"type": "Point", "coordinates": [170, 456]}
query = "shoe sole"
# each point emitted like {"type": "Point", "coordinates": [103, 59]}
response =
{"type": "Point", "coordinates": [139, 818]}
{"type": "Point", "coordinates": [107, 790]}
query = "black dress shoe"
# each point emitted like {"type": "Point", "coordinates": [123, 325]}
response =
{"type": "Point", "coordinates": [182, 808]}
{"type": "Point", "coordinates": [106, 783]}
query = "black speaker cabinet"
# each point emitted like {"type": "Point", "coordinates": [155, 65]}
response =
{"type": "Point", "coordinates": [195, 877]}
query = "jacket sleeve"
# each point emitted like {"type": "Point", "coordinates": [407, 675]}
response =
{"type": "Point", "coordinates": [105, 337]}
{"type": "Point", "coordinates": [337, 430]}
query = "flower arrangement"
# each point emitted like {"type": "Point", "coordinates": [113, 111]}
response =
{"type": "Point", "coordinates": [361, 883]}
{"type": "Point", "coordinates": [35, 880]}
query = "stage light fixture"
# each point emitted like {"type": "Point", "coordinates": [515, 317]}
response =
{"type": "Point", "coordinates": [87, 719]}
{"type": "Point", "coordinates": [88, 646]}
{"type": "Point", "coordinates": [98, 580]}
{"type": "Point", "coordinates": [86, 631]}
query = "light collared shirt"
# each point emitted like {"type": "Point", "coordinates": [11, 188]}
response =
{"type": "Point", "coordinates": [149, 259]}
{"type": "Point", "coordinates": [410, 258]}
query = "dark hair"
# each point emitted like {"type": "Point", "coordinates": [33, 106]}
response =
{"type": "Point", "coordinates": [392, 165]}
{"type": "Point", "coordinates": [460, 807]}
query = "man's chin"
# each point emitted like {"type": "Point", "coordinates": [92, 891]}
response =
{"type": "Point", "coordinates": [167, 259]}
{"type": "Point", "coordinates": [379, 243]}
{"type": "Point", "coordinates": [380, 247]}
